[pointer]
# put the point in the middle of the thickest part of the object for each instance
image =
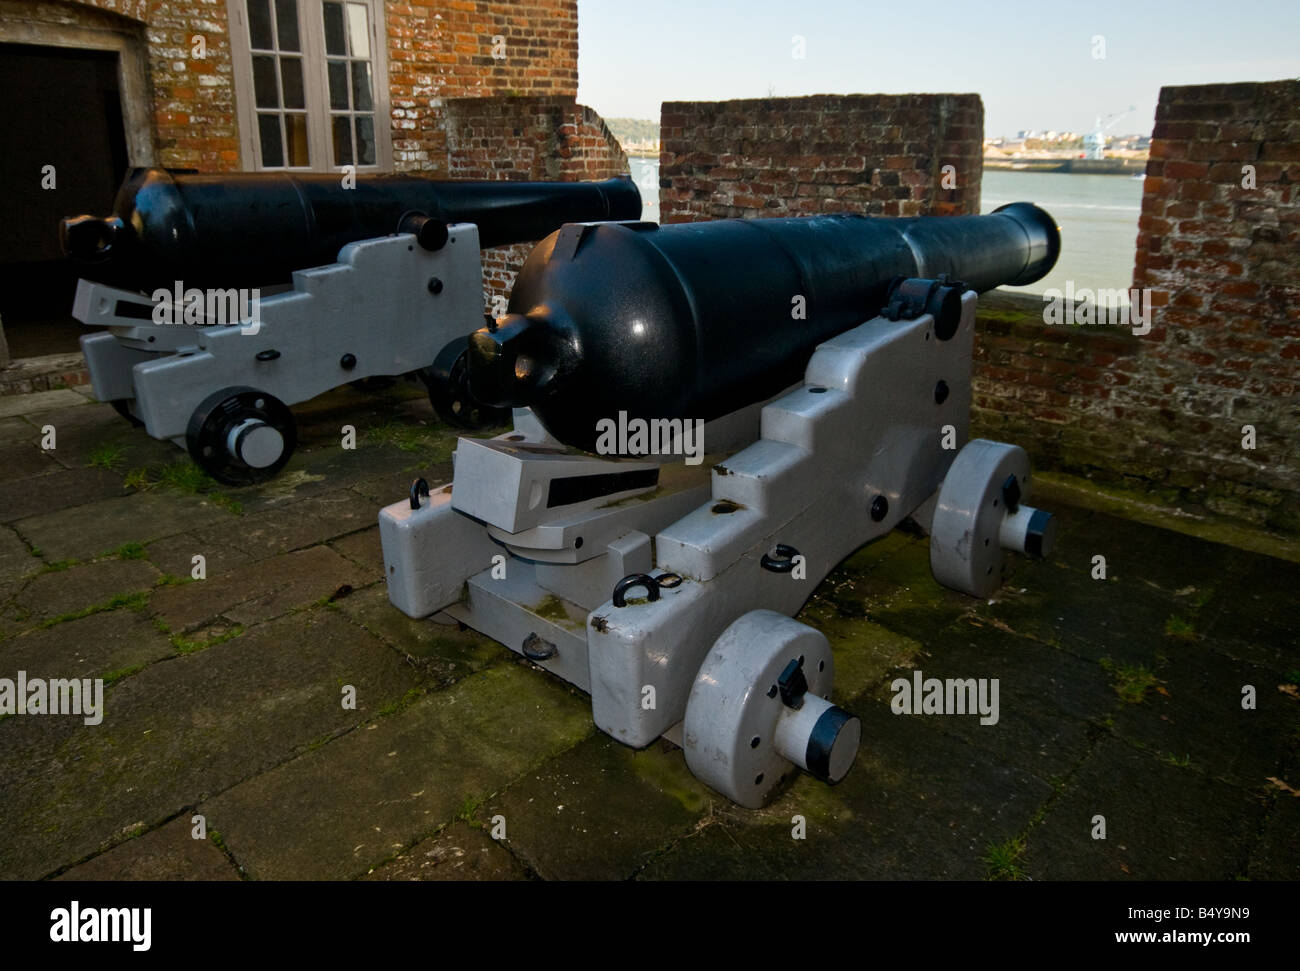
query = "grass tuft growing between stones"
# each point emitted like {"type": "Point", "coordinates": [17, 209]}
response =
{"type": "Point", "coordinates": [1180, 629]}
{"type": "Point", "coordinates": [1132, 682]}
{"type": "Point", "coordinates": [1003, 859]}
{"type": "Point", "coordinates": [106, 456]}
{"type": "Point", "coordinates": [468, 812]}
{"type": "Point", "coordinates": [406, 436]}
{"type": "Point", "coordinates": [184, 645]}
{"type": "Point", "coordinates": [138, 600]}
{"type": "Point", "coordinates": [186, 478]}
{"type": "Point", "coordinates": [113, 677]}
{"type": "Point", "coordinates": [401, 704]}
{"type": "Point", "coordinates": [130, 551]}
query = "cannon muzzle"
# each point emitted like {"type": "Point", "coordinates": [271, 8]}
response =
{"type": "Point", "coordinates": [255, 229]}
{"type": "Point", "coordinates": [695, 320]}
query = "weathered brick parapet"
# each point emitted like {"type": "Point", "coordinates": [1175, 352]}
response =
{"type": "Point", "coordinates": [550, 138]}
{"type": "Point", "coordinates": [877, 154]}
{"type": "Point", "coordinates": [444, 49]}
{"type": "Point", "coordinates": [1219, 242]}
{"type": "Point", "coordinates": [1219, 249]}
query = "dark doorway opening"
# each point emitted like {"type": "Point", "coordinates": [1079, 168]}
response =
{"type": "Point", "coordinates": [62, 108]}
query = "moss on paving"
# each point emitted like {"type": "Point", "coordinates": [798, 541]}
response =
{"type": "Point", "coordinates": [1132, 682]}
{"type": "Point", "coordinates": [218, 635]}
{"type": "Point", "coordinates": [132, 601]}
{"type": "Point", "coordinates": [1003, 859]}
{"type": "Point", "coordinates": [106, 456]}
{"type": "Point", "coordinates": [185, 478]}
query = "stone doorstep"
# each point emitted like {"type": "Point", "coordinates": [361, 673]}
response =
{"type": "Point", "coordinates": [45, 373]}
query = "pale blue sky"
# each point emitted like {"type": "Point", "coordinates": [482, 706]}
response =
{"type": "Point", "coordinates": [1031, 62]}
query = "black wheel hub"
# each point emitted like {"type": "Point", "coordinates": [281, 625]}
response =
{"type": "Point", "coordinates": [448, 384]}
{"type": "Point", "coordinates": [241, 436]}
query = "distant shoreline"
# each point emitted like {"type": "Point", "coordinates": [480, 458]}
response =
{"type": "Point", "coordinates": [1070, 166]}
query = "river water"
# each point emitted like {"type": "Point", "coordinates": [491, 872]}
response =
{"type": "Point", "coordinates": [1098, 216]}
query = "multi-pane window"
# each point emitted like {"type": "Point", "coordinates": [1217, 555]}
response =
{"type": "Point", "coordinates": [351, 88]}
{"type": "Point", "coordinates": [310, 82]}
{"type": "Point", "coordinates": [278, 89]}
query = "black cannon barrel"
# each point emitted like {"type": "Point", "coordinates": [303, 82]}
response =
{"type": "Point", "coordinates": [255, 229]}
{"type": "Point", "coordinates": [694, 320]}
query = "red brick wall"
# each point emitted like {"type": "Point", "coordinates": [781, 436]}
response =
{"type": "Point", "coordinates": [876, 154]}
{"type": "Point", "coordinates": [443, 49]}
{"type": "Point", "coordinates": [436, 49]}
{"type": "Point", "coordinates": [1222, 263]}
{"type": "Point", "coordinates": [544, 138]}
{"type": "Point", "coordinates": [193, 104]}
{"type": "Point", "coordinates": [1226, 259]}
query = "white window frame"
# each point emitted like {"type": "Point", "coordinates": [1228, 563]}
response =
{"type": "Point", "coordinates": [320, 144]}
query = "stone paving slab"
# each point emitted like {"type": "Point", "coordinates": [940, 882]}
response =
{"type": "Point", "coordinates": [1274, 856]}
{"type": "Point", "coordinates": [1196, 716]}
{"type": "Point", "coordinates": [98, 646]}
{"type": "Point", "coordinates": [1094, 619]}
{"type": "Point", "coordinates": [16, 559]}
{"type": "Point", "coordinates": [446, 652]}
{"type": "Point", "coordinates": [60, 592]}
{"type": "Point", "coordinates": [599, 811]}
{"type": "Point", "coordinates": [1163, 822]}
{"type": "Point", "coordinates": [181, 731]}
{"type": "Point", "coordinates": [1145, 555]}
{"type": "Point", "coordinates": [293, 526]}
{"type": "Point", "coordinates": [847, 599]}
{"type": "Point", "coordinates": [54, 496]}
{"type": "Point", "coordinates": [174, 555]}
{"type": "Point", "coordinates": [918, 804]}
{"type": "Point", "coordinates": [23, 460]}
{"type": "Point", "coordinates": [459, 852]}
{"type": "Point", "coordinates": [363, 548]}
{"type": "Point", "coordinates": [1046, 697]}
{"type": "Point", "coordinates": [38, 402]}
{"type": "Point", "coordinates": [384, 490]}
{"type": "Point", "coordinates": [108, 523]}
{"type": "Point", "coordinates": [82, 431]}
{"type": "Point", "coordinates": [225, 695]}
{"type": "Point", "coordinates": [257, 591]}
{"type": "Point", "coordinates": [16, 429]}
{"type": "Point", "coordinates": [342, 810]}
{"type": "Point", "coordinates": [1254, 618]}
{"type": "Point", "coordinates": [169, 852]}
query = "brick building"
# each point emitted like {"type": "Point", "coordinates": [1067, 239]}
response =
{"type": "Point", "coordinates": [452, 88]}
